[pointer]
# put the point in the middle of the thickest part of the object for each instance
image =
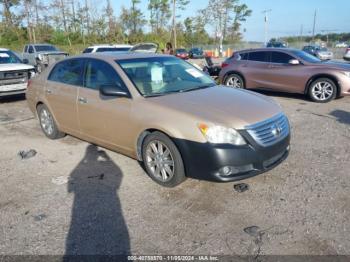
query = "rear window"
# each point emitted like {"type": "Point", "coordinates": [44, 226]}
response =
{"type": "Point", "coordinates": [43, 48]}
{"type": "Point", "coordinates": [258, 56]}
{"type": "Point", "coordinates": [68, 72]}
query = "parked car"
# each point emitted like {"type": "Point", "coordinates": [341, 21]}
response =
{"type": "Point", "coordinates": [276, 44]}
{"type": "Point", "coordinates": [107, 48]}
{"type": "Point", "coordinates": [42, 55]}
{"type": "Point", "coordinates": [287, 70]}
{"type": "Point", "coordinates": [321, 52]}
{"type": "Point", "coordinates": [196, 52]}
{"type": "Point", "coordinates": [341, 45]}
{"type": "Point", "coordinates": [14, 74]}
{"type": "Point", "coordinates": [164, 112]}
{"type": "Point", "coordinates": [347, 54]}
{"type": "Point", "coordinates": [181, 53]}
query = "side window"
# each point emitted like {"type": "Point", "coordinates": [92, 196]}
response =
{"type": "Point", "coordinates": [87, 50]}
{"type": "Point", "coordinates": [30, 50]}
{"type": "Point", "coordinates": [280, 58]}
{"type": "Point", "coordinates": [258, 56]}
{"type": "Point", "coordinates": [99, 73]}
{"type": "Point", "coordinates": [69, 72]}
{"type": "Point", "coordinates": [26, 49]}
{"type": "Point", "coordinates": [244, 56]}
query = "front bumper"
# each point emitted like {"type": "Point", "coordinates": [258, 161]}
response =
{"type": "Point", "coordinates": [206, 161]}
{"type": "Point", "coordinates": [15, 89]}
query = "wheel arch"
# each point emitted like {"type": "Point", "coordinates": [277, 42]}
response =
{"type": "Point", "coordinates": [143, 135]}
{"type": "Point", "coordinates": [315, 77]}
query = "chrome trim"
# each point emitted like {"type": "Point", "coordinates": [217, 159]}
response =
{"type": "Point", "coordinates": [270, 131]}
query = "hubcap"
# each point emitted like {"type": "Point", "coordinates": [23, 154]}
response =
{"type": "Point", "coordinates": [322, 90]}
{"type": "Point", "coordinates": [46, 121]}
{"type": "Point", "coordinates": [160, 161]}
{"type": "Point", "coordinates": [234, 82]}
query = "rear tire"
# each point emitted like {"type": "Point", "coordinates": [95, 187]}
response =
{"type": "Point", "coordinates": [322, 90]}
{"type": "Point", "coordinates": [235, 81]}
{"type": "Point", "coordinates": [162, 160]}
{"type": "Point", "coordinates": [48, 124]}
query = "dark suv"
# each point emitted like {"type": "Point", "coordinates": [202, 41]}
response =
{"type": "Point", "coordinates": [287, 70]}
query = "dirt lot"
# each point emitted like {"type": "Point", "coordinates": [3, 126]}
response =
{"type": "Point", "coordinates": [73, 198]}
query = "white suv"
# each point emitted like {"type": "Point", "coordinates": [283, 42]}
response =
{"type": "Point", "coordinates": [107, 48]}
{"type": "Point", "coordinates": [14, 74]}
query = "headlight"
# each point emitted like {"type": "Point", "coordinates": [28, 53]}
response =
{"type": "Point", "coordinates": [221, 135]}
{"type": "Point", "coordinates": [347, 74]}
{"type": "Point", "coordinates": [32, 73]}
{"type": "Point", "coordinates": [40, 56]}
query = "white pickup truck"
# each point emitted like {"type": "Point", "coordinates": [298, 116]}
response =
{"type": "Point", "coordinates": [14, 75]}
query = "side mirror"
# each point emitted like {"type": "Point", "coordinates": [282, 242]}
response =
{"type": "Point", "coordinates": [294, 62]}
{"type": "Point", "coordinates": [113, 90]}
{"type": "Point", "coordinates": [25, 61]}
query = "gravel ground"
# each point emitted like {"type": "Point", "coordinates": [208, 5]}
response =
{"type": "Point", "coordinates": [74, 198]}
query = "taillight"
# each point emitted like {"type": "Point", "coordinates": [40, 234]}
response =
{"type": "Point", "coordinates": [224, 64]}
{"type": "Point", "coordinates": [348, 49]}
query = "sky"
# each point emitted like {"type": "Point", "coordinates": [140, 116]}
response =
{"type": "Point", "coordinates": [286, 18]}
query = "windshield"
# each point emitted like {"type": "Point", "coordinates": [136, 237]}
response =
{"type": "Point", "coordinates": [156, 76]}
{"type": "Point", "coordinates": [306, 56]}
{"type": "Point", "coordinates": [8, 57]}
{"type": "Point", "coordinates": [43, 48]}
{"type": "Point", "coordinates": [181, 50]}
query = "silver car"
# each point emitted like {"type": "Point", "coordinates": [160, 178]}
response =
{"type": "Point", "coordinates": [347, 54]}
{"type": "Point", "coordinates": [320, 52]}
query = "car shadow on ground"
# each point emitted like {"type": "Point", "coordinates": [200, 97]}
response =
{"type": "Point", "coordinates": [13, 98]}
{"type": "Point", "coordinates": [341, 116]}
{"type": "Point", "coordinates": [97, 224]}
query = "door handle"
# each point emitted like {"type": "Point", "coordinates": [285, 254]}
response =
{"type": "Point", "coordinates": [82, 100]}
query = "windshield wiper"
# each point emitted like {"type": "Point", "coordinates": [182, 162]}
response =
{"type": "Point", "coordinates": [180, 91]}
{"type": "Point", "coordinates": [197, 88]}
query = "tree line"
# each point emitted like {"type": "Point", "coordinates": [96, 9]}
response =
{"type": "Point", "coordinates": [71, 22]}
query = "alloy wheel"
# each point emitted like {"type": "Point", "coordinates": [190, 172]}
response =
{"type": "Point", "coordinates": [234, 82]}
{"type": "Point", "coordinates": [160, 161]}
{"type": "Point", "coordinates": [46, 121]}
{"type": "Point", "coordinates": [322, 90]}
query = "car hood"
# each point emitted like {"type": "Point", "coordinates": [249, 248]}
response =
{"type": "Point", "coordinates": [12, 67]}
{"type": "Point", "coordinates": [221, 105]}
{"type": "Point", "coordinates": [52, 53]}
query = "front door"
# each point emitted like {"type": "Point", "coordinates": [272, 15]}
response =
{"type": "Point", "coordinates": [103, 119]}
{"type": "Point", "coordinates": [284, 76]}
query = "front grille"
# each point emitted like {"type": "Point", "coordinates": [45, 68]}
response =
{"type": "Point", "coordinates": [270, 131]}
{"type": "Point", "coordinates": [14, 77]}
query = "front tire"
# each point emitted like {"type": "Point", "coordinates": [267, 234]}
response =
{"type": "Point", "coordinates": [322, 90]}
{"type": "Point", "coordinates": [235, 81]}
{"type": "Point", "coordinates": [47, 123]}
{"type": "Point", "coordinates": [162, 160]}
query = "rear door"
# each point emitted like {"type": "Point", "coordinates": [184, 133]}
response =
{"type": "Point", "coordinates": [103, 119]}
{"type": "Point", "coordinates": [284, 76]}
{"type": "Point", "coordinates": [256, 68]}
{"type": "Point", "coordinates": [61, 92]}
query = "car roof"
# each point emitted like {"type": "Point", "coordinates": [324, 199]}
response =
{"type": "Point", "coordinates": [108, 46]}
{"type": "Point", "coordinates": [268, 49]}
{"type": "Point", "coordinates": [4, 49]}
{"type": "Point", "coordinates": [108, 56]}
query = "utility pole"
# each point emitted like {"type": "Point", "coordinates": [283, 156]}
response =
{"type": "Point", "coordinates": [266, 19]}
{"type": "Point", "coordinates": [174, 24]}
{"type": "Point", "coordinates": [301, 33]}
{"type": "Point", "coordinates": [314, 27]}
